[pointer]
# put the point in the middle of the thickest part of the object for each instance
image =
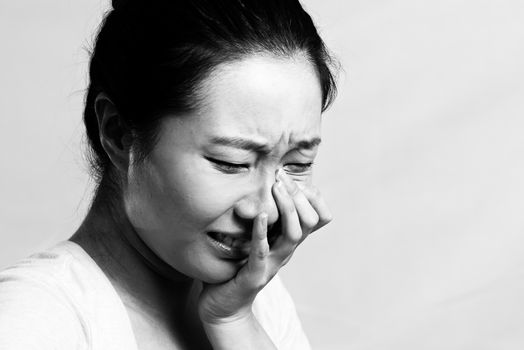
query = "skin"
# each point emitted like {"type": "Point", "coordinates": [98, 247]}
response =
{"type": "Point", "coordinates": [196, 180]}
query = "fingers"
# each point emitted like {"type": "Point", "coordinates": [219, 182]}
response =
{"type": "Point", "coordinates": [307, 214]}
{"type": "Point", "coordinates": [312, 210]}
{"type": "Point", "coordinates": [317, 202]}
{"type": "Point", "coordinates": [291, 228]}
{"type": "Point", "coordinates": [298, 218]}
{"type": "Point", "coordinates": [259, 245]}
{"type": "Point", "coordinates": [302, 211]}
{"type": "Point", "coordinates": [255, 276]}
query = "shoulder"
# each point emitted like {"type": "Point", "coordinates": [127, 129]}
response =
{"type": "Point", "coordinates": [61, 272]}
{"type": "Point", "coordinates": [60, 299]}
{"type": "Point", "coordinates": [276, 312]}
{"type": "Point", "coordinates": [35, 306]}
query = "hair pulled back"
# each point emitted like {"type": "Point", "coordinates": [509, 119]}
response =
{"type": "Point", "coordinates": [151, 56]}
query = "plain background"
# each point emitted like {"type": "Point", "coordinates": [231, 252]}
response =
{"type": "Point", "coordinates": [422, 163]}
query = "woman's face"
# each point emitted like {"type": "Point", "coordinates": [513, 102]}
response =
{"type": "Point", "coordinates": [194, 199]}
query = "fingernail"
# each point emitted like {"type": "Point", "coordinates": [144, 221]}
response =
{"type": "Point", "coordinates": [278, 175]}
{"type": "Point", "coordinates": [280, 186]}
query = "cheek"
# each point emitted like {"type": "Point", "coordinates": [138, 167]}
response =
{"type": "Point", "coordinates": [190, 199]}
{"type": "Point", "coordinates": [145, 201]}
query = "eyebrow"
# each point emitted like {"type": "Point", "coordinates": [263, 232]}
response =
{"type": "Point", "coordinates": [309, 144]}
{"type": "Point", "coordinates": [250, 145]}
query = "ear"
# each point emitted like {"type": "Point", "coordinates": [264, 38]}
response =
{"type": "Point", "coordinates": [113, 131]}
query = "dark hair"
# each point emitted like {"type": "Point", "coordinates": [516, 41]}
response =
{"type": "Point", "coordinates": [150, 57]}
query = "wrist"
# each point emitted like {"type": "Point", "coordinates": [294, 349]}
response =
{"type": "Point", "coordinates": [238, 320]}
{"type": "Point", "coordinates": [241, 331]}
{"type": "Point", "coordinates": [215, 315]}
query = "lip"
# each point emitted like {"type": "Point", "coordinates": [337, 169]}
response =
{"type": "Point", "coordinates": [228, 252]}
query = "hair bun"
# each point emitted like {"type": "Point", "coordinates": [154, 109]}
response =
{"type": "Point", "coordinates": [119, 4]}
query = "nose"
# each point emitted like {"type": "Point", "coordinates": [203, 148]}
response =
{"type": "Point", "coordinates": [258, 199]}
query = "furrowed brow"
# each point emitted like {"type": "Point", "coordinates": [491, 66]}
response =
{"type": "Point", "coordinates": [309, 144]}
{"type": "Point", "coordinates": [241, 143]}
{"type": "Point", "coordinates": [250, 145]}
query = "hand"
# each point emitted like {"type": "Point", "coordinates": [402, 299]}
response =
{"type": "Point", "coordinates": [302, 211]}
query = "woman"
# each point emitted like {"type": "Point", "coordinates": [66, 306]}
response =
{"type": "Point", "coordinates": [203, 118]}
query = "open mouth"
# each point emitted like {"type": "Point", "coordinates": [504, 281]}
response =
{"type": "Point", "coordinates": [238, 246]}
{"type": "Point", "coordinates": [229, 240]}
{"type": "Point", "coordinates": [229, 246]}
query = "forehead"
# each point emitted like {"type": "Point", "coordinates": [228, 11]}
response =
{"type": "Point", "coordinates": [269, 99]}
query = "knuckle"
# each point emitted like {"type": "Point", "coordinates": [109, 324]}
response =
{"type": "Point", "coordinates": [290, 209]}
{"type": "Point", "coordinates": [315, 218]}
{"type": "Point", "coordinates": [314, 192]}
{"type": "Point", "coordinates": [295, 191]}
{"type": "Point", "coordinates": [295, 238]}
{"type": "Point", "coordinates": [262, 253]}
{"type": "Point", "coordinates": [257, 284]}
{"type": "Point", "coordinates": [326, 218]}
{"type": "Point", "coordinates": [310, 221]}
{"type": "Point", "coordinates": [260, 285]}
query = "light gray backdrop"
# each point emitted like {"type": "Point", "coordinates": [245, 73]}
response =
{"type": "Point", "coordinates": [422, 163]}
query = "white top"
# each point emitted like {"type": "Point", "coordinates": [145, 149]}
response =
{"type": "Point", "coordinates": [61, 299]}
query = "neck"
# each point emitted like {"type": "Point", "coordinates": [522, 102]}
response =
{"type": "Point", "coordinates": [143, 281]}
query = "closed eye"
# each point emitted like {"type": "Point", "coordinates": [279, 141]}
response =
{"type": "Point", "coordinates": [227, 167]}
{"type": "Point", "coordinates": [298, 168]}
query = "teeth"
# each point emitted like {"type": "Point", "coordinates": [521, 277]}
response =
{"type": "Point", "coordinates": [230, 241]}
